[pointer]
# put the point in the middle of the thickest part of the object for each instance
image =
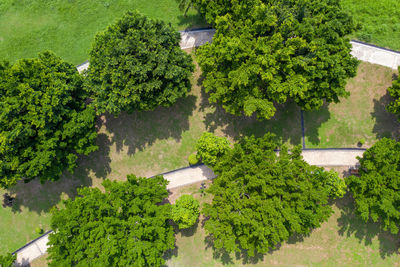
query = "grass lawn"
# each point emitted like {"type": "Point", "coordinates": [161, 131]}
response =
{"type": "Point", "coordinates": [380, 21]}
{"type": "Point", "coordinates": [149, 143]}
{"type": "Point", "coordinates": [344, 240]}
{"type": "Point", "coordinates": [67, 27]}
{"type": "Point", "coordinates": [361, 115]}
{"type": "Point", "coordinates": [143, 143]}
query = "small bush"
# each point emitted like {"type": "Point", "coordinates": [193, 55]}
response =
{"type": "Point", "coordinates": [210, 148]}
{"type": "Point", "coordinates": [186, 211]}
{"type": "Point", "coordinates": [193, 160]}
{"type": "Point", "coordinates": [362, 141]}
{"type": "Point", "coordinates": [337, 186]}
{"type": "Point", "coordinates": [39, 230]}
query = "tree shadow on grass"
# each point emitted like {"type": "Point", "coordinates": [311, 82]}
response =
{"type": "Point", "coordinates": [313, 121]}
{"type": "Point", "coordinates": [350, 224]}
{"type": "Point", "coordinates": [386, 123]}
{"type": "Point", "coordinates": [286, 124]}
{"type": "Point", "coordinates": [194, 20]}
{"type": "Point", "coordinates": [140, 129]}
{"type": "Point", "coordinates": [41, 198]}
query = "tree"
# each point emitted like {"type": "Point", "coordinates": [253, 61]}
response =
{"type": "Point", "coordinates": [210, 147]}
{"type": "Point", "coordinates": [269, 52]}
{"type": "Point", "coordinates": [124, 226]}
{"type": "Point", "coordinates": [394, 91]}
{"type": "Point", "coordinates": [261, 198]}
{"type": "Point", "coordinates": [137, 64]}
{"type": "Point", "coordinates": [44, 121]}
{"type": "Point", "coordinates": [377, 190]}
{"type": "Point", "coordinates": [7, 260]}
{"type": "Point", "coordinates": [185, 211]}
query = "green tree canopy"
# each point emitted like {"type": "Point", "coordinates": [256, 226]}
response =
{"type": "Point", "coordinates": [7, 260]}
{"type": "Point", "coordinates": [137, 64]}
{"type": "Point", "coordinates": [267, 52]}
{"type": "Point", "coordinates": [261, 198]}
{"type": "Point", "coordinates": [44, 121]}
{"type": "Point", "coordinates": [377, 190]}
{"type": "Point", "coordinates": [124, 226]}
{"type": "Point", "coordinates": [211, 147]}
{"type": "Point", "coordinates": [394, 91]}
{"type": "Point", "coordinates": [186, 211]}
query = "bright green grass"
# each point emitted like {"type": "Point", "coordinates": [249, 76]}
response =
{"type": "Point", "coordinates": [68, 27]}
{"type": "Point", "coordinates": [18, 227]}
{"type": "Point", "coordinates": [380, 21]}
{"type": "Point", "coordinates": [360, 116]}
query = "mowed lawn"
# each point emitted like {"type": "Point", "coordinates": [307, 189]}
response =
{"type": "Point", "coordinates": [360, 116]}
{"type": "Point", "coordinates": [344, 240]}
{"type": "Point", "coordinates": [379, 20]}
{"type": "Point", "coordinates": [142, 143]}
{"type": "Point", "coordinates": [68, 27]}
{"type": "Point", "coordinates": [150, 143]}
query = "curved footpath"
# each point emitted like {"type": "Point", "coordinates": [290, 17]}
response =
{"type": "Point", "coordinates": [190, 175]}
{"type": "Point", "coordinates": [195, 174]}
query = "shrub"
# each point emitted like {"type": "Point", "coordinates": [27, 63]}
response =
{"type": "Point", "coordinates": [186, 211]}
{"type": "Point", "coordinates": [362, 141]}
{"type": "Point", "coordinates": [39, 230]}
{"type": "Point", "coordinates": [193, 160]}
{"type": "Point", "coordinates": [210, 148]}
{"type": "Point", "coordinates": [336, 185]}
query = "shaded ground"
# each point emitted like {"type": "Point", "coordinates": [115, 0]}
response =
{"type": "Point", "coordinates": [150, 143]}
{"type": "Point", "coordinates": [361, 116]}
{"type": "Point", "coordinates": [344, 240]}
{"type": "Point", "coordinates": [68, 27]}
{"type": "Point", "coordinates": [143, 143]}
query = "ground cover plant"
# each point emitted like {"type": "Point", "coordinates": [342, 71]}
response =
{"type": "Point", "coordinates": [379, 21]}
{"type": "Point", "coordinates": [44, 121]}
{"type": "Point", "coordinates": [123, 226]}
{"type": "Point", "coordinates": [268, 52]}
{"type": "Point", "coordinates": [137, 64]}
{"type": "Point", "coordinates": [68, 27]}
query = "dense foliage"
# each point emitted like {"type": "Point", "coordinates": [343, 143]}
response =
{"type": "Point", "coordinates": [394, 92]}
{"type": "Point", "coordinates": [335, 185]}
{"type": "Point", "coordinates": [7, 260]}
{"type": "Point", "coordinates": [125, 226]}
{"type": "Point", "coordinates": [44, 121]}
{"type": "Point", "coordinates": [186, 211]}
{"type": "Point", "coordinates": [267, 52]}
{"type": "Point", "coordinates": [210, 147]}
{"type": "Point", "coordinates": [377, 190]}
{"type": "Point", "coordinates": [261, 198]}
{"type": "Point", "coordinates": [137, 64]}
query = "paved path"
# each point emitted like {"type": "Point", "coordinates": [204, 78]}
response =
{"type": "Point", "coordinates": [32, 250]}
{"type": "Point", "coordinates": [190, 175]}
{"type": "Point", "coordinates": [362, 51]}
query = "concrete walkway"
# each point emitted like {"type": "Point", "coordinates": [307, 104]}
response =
{"type": "Point", "coordinates": [190, 175]}
{"type": "Point", "coordinates": [361, 51]}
